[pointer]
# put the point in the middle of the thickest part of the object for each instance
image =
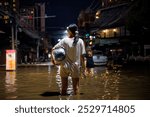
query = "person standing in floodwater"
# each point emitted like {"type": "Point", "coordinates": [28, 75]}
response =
{"type": "Point", "coordinates": [75, 51]}
{"type": "Point", "coordinates": [89, 63]}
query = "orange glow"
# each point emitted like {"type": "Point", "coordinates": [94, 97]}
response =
{"type": "Point", "coordinates": [90, 43]}
{"type": "Point", "coordinates": [97, 15]}
{"type": "Point", "coordinates": [105, 31]}
{"type": "Point", "coordinates": [10, 59]}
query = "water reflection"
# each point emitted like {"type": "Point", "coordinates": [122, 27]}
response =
{"type": "Point", "coordinates": [10, 84]}
{"type": "Point", "coordinates": [70, 87]}
{"type": "Point", "coordinates": [57, 78]}
{"type": "Point", "coordinates": [49, 76]}
{"type": "Point", "coordinates": [111, 84]}
{"type": "Point", "coordinates": [44, 83]}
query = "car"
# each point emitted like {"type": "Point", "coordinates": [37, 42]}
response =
{"type": "Point", "coordinates": [147, 58]}
{"type": "Point", "coordinates": [99, 58]}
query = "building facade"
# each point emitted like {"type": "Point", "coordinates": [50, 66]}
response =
{"type": "Point", "coordinates": [113, 25]}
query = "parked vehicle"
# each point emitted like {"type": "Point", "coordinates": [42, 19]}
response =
{"type": "Point", "coordinates": [99, 58]}
{"type": "Point", "coordinates": [147, 58]}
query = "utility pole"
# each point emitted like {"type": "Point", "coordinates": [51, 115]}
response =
{"type": "Point", "coordinates": [12, 36]}
{"type": "Point", "coordinates": [16, 36]}
{"type": "Point", "coordinates": [40, 27]}
{"type": "Point", "coordinates": [16, 42]}
{"type": "Point", "coordinates": [37, 28]}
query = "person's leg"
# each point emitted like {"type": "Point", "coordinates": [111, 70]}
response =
{"type": "Point", "coordinates": [64, 80]}
{"type": "Point", "coordinates": [92, 72]}
{"type": "Point", "coordinates": [87, 71]}
{"type": "Point", "coordinates": [75, 83]}
{"type": "Point", "coordinates": [75, 79]}
{"type": "Point", "coordinates": [64, 86]}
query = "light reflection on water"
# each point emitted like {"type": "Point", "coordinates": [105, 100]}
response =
{"type": "Point", "coordinates": [10, 84]}
{"type": "Point", "coordinates": [111, 88]}
{"type": "Point", "coordinates": [45, 83]}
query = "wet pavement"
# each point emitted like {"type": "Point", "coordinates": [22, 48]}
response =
{"type": "Point", "coordinates": [41, 83]}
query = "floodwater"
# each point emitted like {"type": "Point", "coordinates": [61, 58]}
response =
{"type": "Point", "coordinates": [41, 83]}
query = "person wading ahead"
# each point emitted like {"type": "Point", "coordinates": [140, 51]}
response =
{"type": "Point", "coordinates": [75, 50]}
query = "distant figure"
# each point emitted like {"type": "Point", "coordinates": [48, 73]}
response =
{"type": "Point", "coordinates": [89, 64]}
{"type": "Point", "coordinates": [70, 66]}
{"type": "Point", "coordinates": [26, 59]}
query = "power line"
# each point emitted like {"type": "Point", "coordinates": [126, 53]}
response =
{"type": "Point", "coordinates": [97, 6]}
{"type": "Point", "coordinates": [91, 4]}
{"type": "Point", "coordinates": [94, 5]}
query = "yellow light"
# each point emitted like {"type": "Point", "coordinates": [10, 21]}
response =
{"type": "Point", "coordinates": [114, 30]}
{"type": "Point", "coordinates": [6, 17]}
{"type": "Point", "coordinates": [90, 43]}
{"type": "Point", "coordinates": [105, 31]}
{"type": "Point", "coordinates": [97, 15]}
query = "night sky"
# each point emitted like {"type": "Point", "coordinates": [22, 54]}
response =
{"type": "Point", "coordinates": [66, 11]}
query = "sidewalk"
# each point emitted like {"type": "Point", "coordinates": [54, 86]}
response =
{"type": "Point", "coordinates": [31, 65]}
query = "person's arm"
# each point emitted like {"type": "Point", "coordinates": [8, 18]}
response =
{"type": "Point", "coordinates": [83, 61]}
{"type": "Point", "coordinates": [83, 58]}
{"type": "Point", "coordinates": [83, 66]}
{"type": "Point", "coordinates": [60, 44]}
{"type": "Point", "coordinates": [52, 59]}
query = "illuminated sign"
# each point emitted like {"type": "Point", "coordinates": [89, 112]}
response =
{"type": "Point", "coordinates": [10, 59]}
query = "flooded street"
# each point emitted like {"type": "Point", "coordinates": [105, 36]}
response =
{"type": "Point", "coordinates": [40, 83]}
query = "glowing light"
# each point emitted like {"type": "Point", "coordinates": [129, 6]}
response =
{"type": "Point", "coordinates": [59, 40]}
{"type": "Point", "coordinates": [91, 37]}
{"type": "Point", "coordinates": [90, 43]}
{"type": "Point", "coordinates": [114, 30]}
{"type": "Point", "coordinates": [32, 12]}
{"type": "Point", "coordinates": [105, 31]}
{"type": "Point", "coordinates": [97, 15]}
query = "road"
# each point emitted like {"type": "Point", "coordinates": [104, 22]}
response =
{"type": "Point", "coordinates": [40, 83]}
